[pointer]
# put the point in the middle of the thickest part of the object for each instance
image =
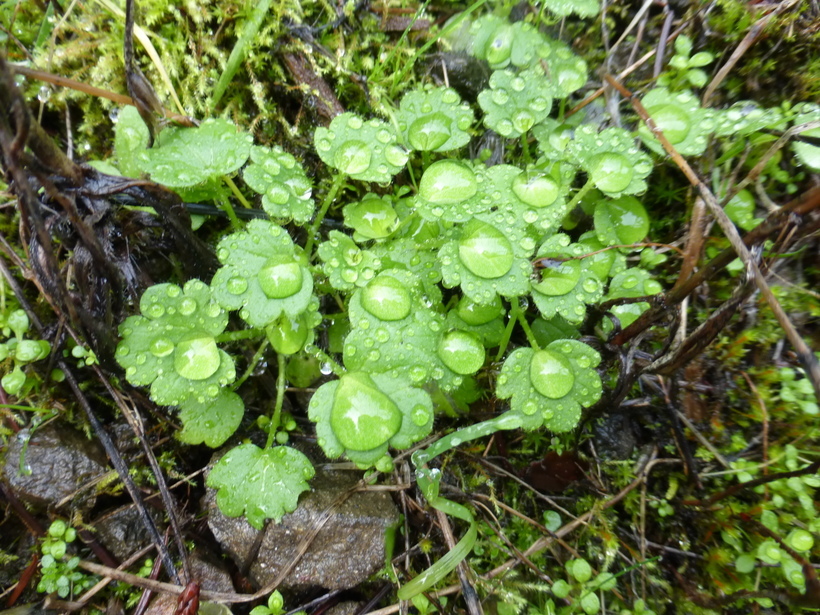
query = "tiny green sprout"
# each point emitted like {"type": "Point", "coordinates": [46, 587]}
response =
{"type": "Point", "coordinates": [361, 415]}
{"type": "Point", "coordinates": [579, 569]}
{"type": "Point", "coordinates": [172, 345]}
{"type": "Point", "coordinates": [807, 153]}
{"type": "Point", "coordinates": [621, 221]}
{"type": "Point", "coordinates": [211, 421]}
{"type": "Point", "coordinates": [582, 8]}
{"type": "Point", "coordinates": [59, 572]}
{"type": "Point", "coordinates": [261, 483]}
{"type": "Point", "coordinates": [263, 276]}
{"type": "Point", "coordinates": [686, 67]}
{"type": "Point", "coordinates": [516, 103]}
{"type": "Point", "coordinates": [434, 120]}
{"type": "Point", "coordinates": [611, 158]}
{"type": "Point", "coordinates": [275, 605]}
{"type": "Point", "coordinates": [566, 284]}
{"type": "Point", "coordinates": [549, 387]}
{"type": "Point", "coordinates": [630, 283]}
{"type": "Point", "coordinates": [345, 264]}
{"type": "Point", "coordinates": [282, 182]}
{"type": "Point", "coordinates": [371, 218]}
{"type": "Point", "coordinates": [17, 323]}
{"type": "Point", "coordinates": [366, 150]}
{"type": "Point", "coordinates": [184, 157]}
{"type": "Point", "coordinates": [681, 119]}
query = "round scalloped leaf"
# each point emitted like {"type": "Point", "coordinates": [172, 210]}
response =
{"type": "Point", "coordinates": [621, 221]}
{"type": "Point", "coordinates": [611, 159]}
{"type": "Point", "coordinates": [172, 346]}
{"type": "Point", "coordinates": [189, 156]}
{"type": "Point", "coordinates": [371, 218]}
{"type": "Point", "coordinates": [345, 264]}
{"type": "Point", "coordinates": [550, 386]}
{"type": "Point", "coordinates": [582, 8]}
{"type": "Point", "coordinates": [261, 483]}
{"type": "Point", "coordinates": [212, 421]}
{"type": "Point", "coordinates": [516, 103]}
{"type": "Point", "coordinates": [262, 276]}
{"type": "Point", "coordinates": [565, 287]}
{"type": "Point", "coordinates": [435, 120]}
{"type": "Point", "coordinates": [681, 119]}
{"type": "Point", "coordinates": [553, 139]}
{"type": "Point", "coordinates": [364, 150]}
{"type": "Point", "coordinates": [408, 253]}
{"type": "Point", "coordinates": [807, 153]}
{"type": "Point", "coordinates": [483, 261]}
{"type": "Point", "coordinates": [501, 43]}
{"type": "Point", "coordinates": [131, 137]}
{"type": "Point", "coordinates": [361, 415]}
{"type": "Point", "coordinates": [567, 70]}
{"type": "Point", "coordinates": [282, 182]}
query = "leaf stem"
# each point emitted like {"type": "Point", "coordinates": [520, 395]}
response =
{"type": "Point", "coordinates": [226, 206]}
{"type": "Point", "coordinates": [580, 194]}
{"type": "Point", "coordinates": [252, 365]}
{"type": "Point", "coordinates": [517, 312]}
{"type": "Point", "coordinates": [338, 180]}
{"type": "Point", "coordinates": [505, 339]}
{"type": "Point", "coordinates": [233, 336]}
{"type": "Point", "coordinates": [239, 196]}
{"type": "Point", "coordinates": [280, 398]}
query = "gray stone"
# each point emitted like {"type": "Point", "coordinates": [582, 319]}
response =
{"type": "Point", "coordinates": [60, 461]}
{"type": "Point", "coordinates": [210, 575]}
{"type": "Point", "coordinates": [347, 550]}
{"type": "Point", "coordinates": [122, 531]}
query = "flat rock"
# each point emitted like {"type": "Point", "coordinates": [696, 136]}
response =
{"type": "Point", "coordinates": [347, 550]}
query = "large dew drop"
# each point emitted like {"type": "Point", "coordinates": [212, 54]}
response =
{"type": "Point", "coordinates": [558, 277]}
{"type": "Point", "coordinates": [447, 182]}
{"type": "Point", "coordinates": [161, 347]}
{"type": "Point", "coordinates": [197, 358]}
{"type": "Point", "coordinates": [673, 122]}
{"type": "Point", "coordinates": [430, 132]}
{"type": "Point", "coordinates": [281, 277]}
{"type": "Point", "coordinates": [352, 157]}
{"type": "Point", "coordinates": [362, 417]}
{"type": "Point", "coordinates": [462, 352]}
{"type": "Point", "coordinates": [610, 171]}
{"type": "Point", "coordinates": [386, 299]}
{"type": "Point", "coordinates": [551, 374]}
{"type": "Point", "coordinates": [484, 250]}
{"type": "Point", "coordinates": [535, 190]}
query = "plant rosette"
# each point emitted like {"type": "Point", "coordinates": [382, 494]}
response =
{"type": "Point", "coordinates": [452, 191]}
{"type": "Point", "coordinates": [515, 103]}
{"type": "Point", "coordinates": [567, 284]}
{"type": "Point", "coordinates": [345, 264]}
{"type": "Point", "coordinates": [366, 150]}
{"type": "Point", "coordinates": [282, 182]}
{"type": "Point", "coordinates": [434, 120]}
{"type": "Point", "coordinates": [549, 387]}
{"type": "Point", "coordinates": [262, 277]}
{"type": "Point", "coordinates": [184, 157]}
{"type": "Point", "coordinates": [172, 345]}
{"type": "Point", "coordinates": [629, 284]}
{"type": "Point", "coordinates": [371, 218]}
{"type": "Point", "coordinates": [611, 159]}
{"type": "Point", "coordinates": [361, 415]}
{"type": "Point", "coordinates": [684, 123]}
{"type": "Point", "coordinates": [502, 43]}
{"type": "Point", "coordinates": [483, 260]}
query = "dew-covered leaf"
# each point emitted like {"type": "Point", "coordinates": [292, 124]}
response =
{"type": "Point", "coordinates": [261, 483]}
{"type": "Point", "coordinates": [486, 321]}
{"type": "Point", "coordinates": [408, 253]}
{"type": "Point", "coordinates": [434, 120]}
{"type": "Point", "coordinates": [366, 150]}
{"type": "Point", "coordinates": [172, 346]}
{"type": "Point", "coordinates": [361, 415]}
{"type": "Point", "coordinates": [188, 156]}
{"type": "Point", "coordinates": [807, 153]}
{"type": "Point", "coordinates": [282, 182]}
{"type": "Point", "coordinates": [516, 103]}
{"type": "Point", "coordinates": [345, 264]}
{"type": "Point", "coordinates": [681, 119]}
{"type": "Point", "coordinates": [630, 283]}
{"type": "Point", "coordinates": [567, 70]}
{"type": "Point", "coordinates": [371, 218]}
{"type": "Point", "coordinates": [451, 191]}
{"type": "Point", "coordinates": [502, 43]}
{"type": "Point", "coordinates": [131, 137]}
{"type": "Point", "coordinates": [741, 210]}
{"type": "Point", "coordinates": [212, 421]}
{"type": "Point", "coordinates": [746, 117]}
{"type": "Point", "coordinates": [621, 221]}
{"type": "Point", "coordinates": [611, 159]}
{"type": "Point", "coordinates": [262, 275]}
{"type": "Point", "coordinates": [582, 8]}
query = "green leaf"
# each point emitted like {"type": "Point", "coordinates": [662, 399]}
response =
{"type": "Point", "coordinates": [361, 415]}
{"type": "Point", "coordinates": [261, 483]}
{"type": "Point", "coordinates": [568, 70]}
{"type": "Point", "coordinates": [262, 275]}
{"type": "Point", "coordinates": [449, 191]}
{"type": "Point", "coordinates": [582, 8]}
{"type": "Point", "coordinates": [550, 386]}
{"type": "Point", "coordinates": [741, 210]}
{"type": "Point", "coordinates": [681, 119]}
{"type": "Point", "coordinates": [516, 103]}
{"type": "Point", "coordinates": [611, 159]}
{"type": "Point", "coordinates": [345, 264]}
{"type": "Point", "coordinates": [683, 45]}
{"type": "Point", "coordinates": [131, 137]}
{"type": "Point", "coordinates": [371, 218]}
{"type": "Point", "coordinates": [702, 58]}
{"type": "Point", "coordinates": [434, 120]}
{"type": "Point", "coordinates": [622, 221]}
{"type": "Point", "coordinates": [747, 117]}
{"type": "Point", "coordinates": [172, 347]}
{"type": "Point", "coordinates": [282, 182]}
{"type": "Point", "coordinates": [363, 150]}
{"type": "Point", "coordinates": [630, 283]}
{"type": "Point", "coordinates": [189, 156]}
{"type": "Point", "coordinates": [807, 153]}
{"type": "Point", "coordinates": [212, 421]}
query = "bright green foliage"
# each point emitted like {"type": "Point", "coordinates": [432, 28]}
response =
{"type": "Point", "coordinates": [567, 70]}
{"type": "Point", "coordinates": [364, 150]}
{"type": "Point", "coordinates": [282, 182]}
{"type": "Point", "coordinates": [611, 158]}
{"type": "Point", "coordinates": [345, 264]}
{"type": "Point", "coordinates": [184, 157]}
{"type": "Point", "coordinates": [371, 218]}
{"type": "Point", "coordinates": [450, 191]}
{"type": "Point", "coordinates": [172, 346]}
{"type": "Point", "coordinates": [485, 321]}
{"type": "Point", "coordinates": [582, 8]}
{"type": "Point", "coordinates": [275, 605]}
{"type": "Point", "coordinates": [549, 387]}
{"type": "Point", "coordinates": [631, 283]}
{"type": "Point", "coordinates": [797, 391]}
{"type": "Point", "coordinates": [17, 351]}
{"type": "Point", "coordinates": [263, 276]}
{"type": "Point", "coordinates": [131, 137]}
{"type": "Point", "coordinates": [681, 119]}
{"type": "Point", "coordinates": [515, 103]}
{"type": "Point", "coordinates": [581, 589]}
{"type": "Point", "coordinates": [405, 253]}
{"type": "Point", "coordinates": [211, 421]}
{"type": "Point", "coordinates": [622, 221]}
{"type": "Point", "coordinates": [501, 43]}
{"type": "Point", "coordinates": [290, 334]}
{"type": "Point", "coordinates": [361, 415]}
{"type": "Point", "coordinates": [567, 283]}
{"type": "Point", "coordinates": [261, 483]}
{"type": "Point", "coordinates": [807, 153]}
{"type": "Point", "coordinates": [60, 572]}
{"type": "Point", "coordinates": [434, 120]}
{"type": "Point", "coordinates": [746, 118]}
{"type": "Point", "coordinates": [741, 210]}
{"type": "Point", "coordinates": [686, 68]}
